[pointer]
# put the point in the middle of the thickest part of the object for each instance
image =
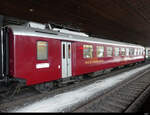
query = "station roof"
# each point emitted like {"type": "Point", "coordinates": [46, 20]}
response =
{"type": "Point", "coordinates": [120, 20]}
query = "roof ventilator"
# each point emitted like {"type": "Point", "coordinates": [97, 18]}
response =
{"type": "Point", "coordinates": [35, 25]}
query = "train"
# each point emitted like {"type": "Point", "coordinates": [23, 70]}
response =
{"type": "Point", "coordinates": [147, 53]}
{"type": "Point", "coordinates": [38, 55]}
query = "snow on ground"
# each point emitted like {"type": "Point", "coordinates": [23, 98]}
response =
{"type": "Point", "coordinates": [59, 102]}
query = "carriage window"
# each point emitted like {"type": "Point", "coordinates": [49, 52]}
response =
{"type": "Point", "coordinates": [69, 51]}
{"type": "Point", "coordinates": [117, 51]}
{"type": "Point", "coordinates": [63, 51]}
{"type": "Point", "coordinates": [138, 52]}
{"type": "Point", "coordinates": [143, 52]}
{"type": "Point", "coordinates": [87, 51]}
{"type": "Point", "coordinates": [123, 51]}
{"type": "Point", "coordinates": [135, 52]}
{"type": "Point", "coordinates": [42, 50]}
{"type": "Point", "coordinates": [100, 51]}
{"type": "Point", "coordinates": [127, 51]}
{"type": "Point", "coordinates": [148, 52]}
{"type": "Point", "coordinates": [109, 51]}
{"type": "Point", "coordinates": [131, 51]}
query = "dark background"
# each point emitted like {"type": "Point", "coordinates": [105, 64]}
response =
{"type": "Point", "coordinates": [120, 20]}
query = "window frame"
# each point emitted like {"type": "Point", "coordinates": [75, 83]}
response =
{"type": "Point", "coordinates": [37, 56]}
{"type": "Point", "coordinates": [118, 51]}
{"type": "Point", "coordinates": [100, 47]}
{"type": "Point", "coordinates": [107, 51]}
{"type": "Point", "coordinates": [123, 52]}
{"type": "Point", "coordinates": [135, 51]}
{"type": "Point", "coordinates": [131, 52]}
{"type": "Point", "coordinates": [138, 52]}
{"type": "Point", "coordinates": [127, 51]}
{"type": "Point", "coordinates": [89, 53]}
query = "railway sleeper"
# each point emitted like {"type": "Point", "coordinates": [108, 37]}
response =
{"type": "Point", "coordinates": [145, 80]}
{"type": "Point", "coordinates": [139, 84]}
{"type": "Point", "coordinates": [133, 91]}
{"type": "Point", "coordinates": [113, 103]}
{"type": "Point", "coordinates": [131, 95]}
{"type": "Point", "coordinates": [118, 101]}
{"type": "Point", "coordinates": [109, 108]}
{"type": "Point", "coordinates": [125, 93]}
{"type": "Point", "coordinates": [94, 108]}
{"type": "Point", "coordinates": [137, 88]}
{"type": "Point", "coordinates": [124, 97]}
{"type": "Point", "coordinates": [102, 108]}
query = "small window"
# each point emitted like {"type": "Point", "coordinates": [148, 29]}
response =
{"type": "Point", "coordinates": [69, 51]}
{"type": "Point", "coordinates": [127, 51]}
{"type": "Point", "coordinates": [42, 50]}
{"type": "Point", "coordinates": [64, 51]}
{"type": "Point", "coordinates": [109, 51]}
{"type": "Point", "coordinates": [100, 51]}
{"type": "Point", "coordinates": [87, 51]}
{"type": "Point", "coordinates": [123, 51]}
{"type": "Point", "coordinates": [117, 51]}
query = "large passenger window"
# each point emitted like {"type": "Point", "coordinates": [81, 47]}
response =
{"type": "Point", "coordinates": [138, 52]}
{"type": "Point", "coordinates": [100, 51]}
{"type": "Point", "coordinates": [109, 51]}
{"type": "Point", "coordinates": [117, 51]}
{"type": "Point", "coordinates": [131, 51]}
{"type": "Point", "coordinates": [141, 51]}
{"type": "Point", "coordinates": [135, 52]}
{"type": "Point", "coordinates": [87, 51]}
{"type": "Point", "coordinates": [42, 50]}
{"type": "Point", "coordinates": [123, 52]}
{"type": "Point", "coordinates": [127, 51]}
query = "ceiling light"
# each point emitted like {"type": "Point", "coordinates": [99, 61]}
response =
{"type": "Point", "coordinates": [31, 10]}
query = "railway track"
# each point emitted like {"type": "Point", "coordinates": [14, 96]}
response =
{"type": "Point", "coordinates": [126, 97]}
{"type": "Point", "coordinates": [33, 96]}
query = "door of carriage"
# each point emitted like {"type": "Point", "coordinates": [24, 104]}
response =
{"type": "Point", "coordinates": [66, 59]}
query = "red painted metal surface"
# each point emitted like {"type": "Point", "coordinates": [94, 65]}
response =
{"type": "Point", "coordinates": [23, 60]}
{"type": "Point", "coordinates": [95, 64]}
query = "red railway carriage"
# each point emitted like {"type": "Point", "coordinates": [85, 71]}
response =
{"type": "Point", "coordinates": [39, 55]}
